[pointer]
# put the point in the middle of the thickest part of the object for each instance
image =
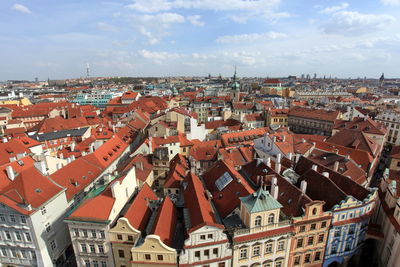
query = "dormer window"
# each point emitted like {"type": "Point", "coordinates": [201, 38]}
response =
{"type": "Point", "coordinates": [271, 218]}
{"type": "Point", "coordinates": [257, 222]}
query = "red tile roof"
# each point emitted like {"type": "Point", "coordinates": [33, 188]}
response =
{"type": "Point", "coordinates": [316, 114]}
{"type": "Point", "coordinates": [165, 223]}
{"type": "Point", "coordinates": [97, 208]}
{"type": "Point", "coordinates": [206, 150]}
{"type": "Point", "coordinates": [243, 137]}
{"type": "Point", "coordinates": [29, 187]}
{"type": "Point", "coordinates": [200, 210]}
{"type": "Point", "coordinates": [228, 199]}
{"type": "Point", "coordinates": [138, 213]}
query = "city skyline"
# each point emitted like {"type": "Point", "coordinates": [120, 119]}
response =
{"type": "Point", "coordinates": [183, 38]}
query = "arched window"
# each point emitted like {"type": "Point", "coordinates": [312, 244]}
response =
{"type": "Point", "coordinates": [258, 221]}
{"type": "Point", "coordinates": [271, 218]}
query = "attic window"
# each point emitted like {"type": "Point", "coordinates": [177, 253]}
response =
{"type": "Point", "coordinates": [110, 153]}
{"type": "Point", "coordinates": [9, 151]}
{"type": "Point", "coordinates": [115, 150]}
{"type": "Point", "coordinates": [105, 158]}
{"type": "Point", "coordinates": [38, 190]}
{"type": "Point", "coordinates": [20, 163]}
{"type": "Point", "coordinates": [90, 172]}
{"type": "Point", "coordinates": [117, 146]}
{"type": "Point", "coordinates": [84, 177]}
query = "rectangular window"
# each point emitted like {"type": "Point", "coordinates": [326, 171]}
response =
{"type": "Point", "coordinates": [256, 251]}
{"type": "Point", "coordinates": [243, 253]}
{"type": "Point", "coordinates": [103, 264]}
{"type": "Point", "coordinates": [297, 260]}
{"type": "Point", "coordinates": [147, 257]}
{"type": "Point", "coordinates": [307, 258]}
{"type": "Point", "coordinates": [92, 248]}
{"type": "Point", "coordinates": [197, 254]}
{"type": "Point", "coordinates": [76, 232]}
{"type": "Point", "coordinates": [337, 232]}
{"type": "Point", "coordinates": [119, 237]}
{"type": "Point", "coordinates": [23, 254]}
{"type": "Point", "coordinates": [43, 210]}
{"type": "Point", "coordinates": [268, 248]}
{"type": "Point", "coordinates": [48, 227]}
{"type": "Point", "coordinates": [203, 237]}
{"type": "Point", "coordinates": [281, 245]}
{"type": "Point", "coordinates": [94, 233]}
{"type": "Point", "coordinates": [18, 236]}
{"type": "Point", "coordinates": [102, 234]}
{"type": "Point", "coordinates": [12, 218]}
{"type": "Point", "coordinates": [299, 243]}
{"type": "Point", "coordinates": [130, 238]}
{"type": "Point", "coordinates": [28, 237]}
{"type": "Point", "coordinates": [209, 236]}
{"type": "Point", "coordinates": [321, 238]}
{"type": "Point", "coordinates": [317, 256]}
{"type": "Point", "coordinates": [206, 253]}
{"type": "Point", "coordinates": [87, 263]}
{"type": "Point", "coordinates": [100, 248]}
{"type": "Point", "coordinates": [313, 226]}
{"type": "Point", "coordinates": [323, 224]}
{"type": "Point", "coordinates": [221, 264]}
{"type": "Point", "coordinates": [215, 251]}
{"type": "Point", "coordinates": [95, 264]}
{"type": "Point", "coordinates": [302, 229]}
{"type": "Point", "coordinates": [13, 253]}
{"type": "Point", "coordinates": [160, 257]}
{"type": "Point", "coordinates": [2, 218]}
{"type": "Point", "coordinates": [310, 240]}
{"type": "Point", "coordinates": [85, 234]}
{"type": "Point", "coordinates": [8, 235]}
{"type": "Point", "coordinates": [121, 253]}
{"type": "Point", "coordinates": [4, 252]}
{"type": "Point", "coordinates": [53, 245]}
{"type": "Point", "coordinates": [83, 248]}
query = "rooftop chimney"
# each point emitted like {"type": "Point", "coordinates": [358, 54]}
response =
{"type": "Point", "coordinates": [10, 173]}
{"type": "Point", "coordinates": [268, 162]}
{"type": "Point", "coordinates": [326, 174]}
{"type": "Point", "coordinates": [303, 186]}
{"type": "Point", "coordinates": [336, 166]}
{"type": "Point", "coordinates": [278, 165]}
{"type": "Point", "coordinates": [275, 191]}
{"type": "Point", "coordinates": [314, 167]}
{"type": "Point", "coordinates": [72, 146]}
{"type": "Point", "coordinates": [43, 168]}
{"type": "Point", "coordinates": [5, 140]}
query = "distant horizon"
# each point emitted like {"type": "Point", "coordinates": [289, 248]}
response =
{"type": "Point", "coordinates": [201, 76]}
{"type": "Point", "coordinates": [158, 38]}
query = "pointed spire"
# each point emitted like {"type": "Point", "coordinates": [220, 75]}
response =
{"type": "Point", "coordinates": [382, 78]}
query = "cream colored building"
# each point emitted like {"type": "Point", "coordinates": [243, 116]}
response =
{"type": "Point", "coordinates": [265, 240]}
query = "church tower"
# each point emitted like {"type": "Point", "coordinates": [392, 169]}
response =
{"type": "Point", "coordinates": [235, 89]}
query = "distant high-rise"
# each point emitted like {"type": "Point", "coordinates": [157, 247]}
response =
{"type": "Point", "coordinates": [87, 70]}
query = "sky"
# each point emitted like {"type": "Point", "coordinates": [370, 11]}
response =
{"type": "Point", "coordinates": [263, 38]}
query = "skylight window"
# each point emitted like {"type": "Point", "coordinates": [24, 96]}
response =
{"type": "Point", "coordinates": [223, 181]}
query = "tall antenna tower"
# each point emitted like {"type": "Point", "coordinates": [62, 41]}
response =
{"type": "Point", "coordinates": [87, 70]}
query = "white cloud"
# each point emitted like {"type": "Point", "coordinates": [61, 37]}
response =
{"type": "Point", "coordinates": [391, 2]}
{"type": "Point", "coordinates": [103, 26]}
{"type": "Point", "coordinates": [249, 38]}
{"type": "Point", "coordinates": [243, 9]}
{"type": "Point", "coordinates": [333, 9]}
{"type": "Point", "coordinates": [195, 20]}
{"type": "Point", "coordinates": [21, 8]}
{"type": "Point", "coordinates": [355, 23]}
{"type": "Point", "coordinates": [158, 57]}
{"type": "Point", "coordinates": [155, 27]}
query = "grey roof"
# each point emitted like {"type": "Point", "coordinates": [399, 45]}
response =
{"type": "Point", "coordinates": [60, 134]}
